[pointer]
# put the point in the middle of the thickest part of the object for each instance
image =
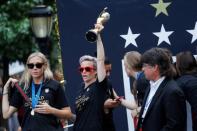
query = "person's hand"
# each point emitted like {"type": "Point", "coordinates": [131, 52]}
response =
{"type": "Point", "coordinates": [135, 112]}
{"type": "Point", "coordinates": [11, 82]}
{"type": "Point", "coordinates": [119, 98]}
{"type": "Point", "coordinates": [99, 27]}
{"type": "Point", "coordinates": [44, 108]}
{"type": "Point", "coordinates": [110, 103]}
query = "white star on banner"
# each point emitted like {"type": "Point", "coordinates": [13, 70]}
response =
{"type": "Point", "coordinates": [194, 33]}
{"type": "Point", "coordinates": [130, 38]}
{"type": "Point", "coordinates": [163, 35]}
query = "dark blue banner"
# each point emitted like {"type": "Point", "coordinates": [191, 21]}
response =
{"type": "Point", "coordinates": [134, 25]}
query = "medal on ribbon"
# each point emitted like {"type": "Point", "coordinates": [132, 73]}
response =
{"type": "Point", "coordinates": [35, 96]}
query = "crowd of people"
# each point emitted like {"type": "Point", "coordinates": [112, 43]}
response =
{"type": "Point", "coordinates": [165, 93]}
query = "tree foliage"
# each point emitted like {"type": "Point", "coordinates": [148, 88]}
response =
{"type": "Point", "coordinates": [16, 37]}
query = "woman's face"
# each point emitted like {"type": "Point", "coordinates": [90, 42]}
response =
{"type": "Point", "coordinates": [36, 67]}
{"type": "Point", "coordinates": [87, 70]}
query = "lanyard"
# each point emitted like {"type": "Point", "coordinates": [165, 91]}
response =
{"type": "Point", "coordinates": [35, 97]}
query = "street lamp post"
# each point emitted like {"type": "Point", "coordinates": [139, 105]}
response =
{"type": "Point", "coordinates": [41, 23]}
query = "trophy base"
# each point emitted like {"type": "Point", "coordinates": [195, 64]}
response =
{"type": "Point", "coordinates": [91, 36]}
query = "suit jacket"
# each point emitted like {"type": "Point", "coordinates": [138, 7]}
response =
{"type": "Point", "coordinates": [167, 110]}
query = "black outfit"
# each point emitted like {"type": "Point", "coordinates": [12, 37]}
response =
{"type": "Point", "coordinates": [90, 107]}
{"type": "Point", "coordinates": [53, 94]}
{"type": "Point", "coordinates": [188, 83]}
{"type": "Point", "coordinates": [108, 117]}
{"type": "Point", "coordinates": [141, 86]}
{"type": "Point", "coordinates": [167, 110]}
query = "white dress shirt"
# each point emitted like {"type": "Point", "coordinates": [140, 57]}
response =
{"type": "Point", "coordinates": [154, 85]}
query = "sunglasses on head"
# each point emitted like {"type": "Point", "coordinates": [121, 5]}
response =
{"type": "Point", "coordinates": [87, 69]}
{"type": "Point", "coordinates": [37, 65]}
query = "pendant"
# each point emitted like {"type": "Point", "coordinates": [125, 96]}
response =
{"type": "Point", "coordinates": [32, 112]}
{"type": "Point", "coordinates": [88, 89]}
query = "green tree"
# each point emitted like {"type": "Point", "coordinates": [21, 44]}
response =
{"type": "Point", "coordinates": [16, 41]}
{"type": "Point", "coordinates": [16, 37]}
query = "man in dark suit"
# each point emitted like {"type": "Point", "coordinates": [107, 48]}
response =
{"type": "Point", "coordinates": [164, 106]}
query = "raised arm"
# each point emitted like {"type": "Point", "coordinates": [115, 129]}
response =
{"type": "Point", "coordinates": [101, 73]}
{"type": "Point", "coordinates": [7, 110]}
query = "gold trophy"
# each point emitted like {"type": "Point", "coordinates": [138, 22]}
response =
{"type": "Point", "coordinates": [103, 17]}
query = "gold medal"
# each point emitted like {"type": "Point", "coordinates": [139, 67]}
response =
{"type": "Point", "coordinates": [32, 112]}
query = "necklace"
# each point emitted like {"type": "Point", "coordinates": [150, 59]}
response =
{"type": "Point", "coordinates": [35, 97]}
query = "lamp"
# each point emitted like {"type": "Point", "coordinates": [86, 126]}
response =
{"type": "Point", "coordinates": [41, 23]}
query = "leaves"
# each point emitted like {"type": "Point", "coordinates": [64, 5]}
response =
{"type": "Point", "coordinates": [16, 37]}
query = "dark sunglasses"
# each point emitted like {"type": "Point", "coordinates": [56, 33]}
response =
{"type": "Point", "coordinates": [87, 69]}
{"type": "Point", "coordinates": [37, 65]}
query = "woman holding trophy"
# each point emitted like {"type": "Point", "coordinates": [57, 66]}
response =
{"type": "Point", "coordinates": [90, 100]}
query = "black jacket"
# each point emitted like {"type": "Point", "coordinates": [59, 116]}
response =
{"type": "Point", "coordinates": [167, 110]}
{"type": "Point", "coordinates": [188, 83]}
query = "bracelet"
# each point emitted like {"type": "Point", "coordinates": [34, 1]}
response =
{"type": "Point", "coordinates": [5, 93]}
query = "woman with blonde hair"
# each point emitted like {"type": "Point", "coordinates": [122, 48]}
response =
{"type": "Point", "coordinates": [47, 102]}
{"type": "Point", "coordinates": [133, 68]}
